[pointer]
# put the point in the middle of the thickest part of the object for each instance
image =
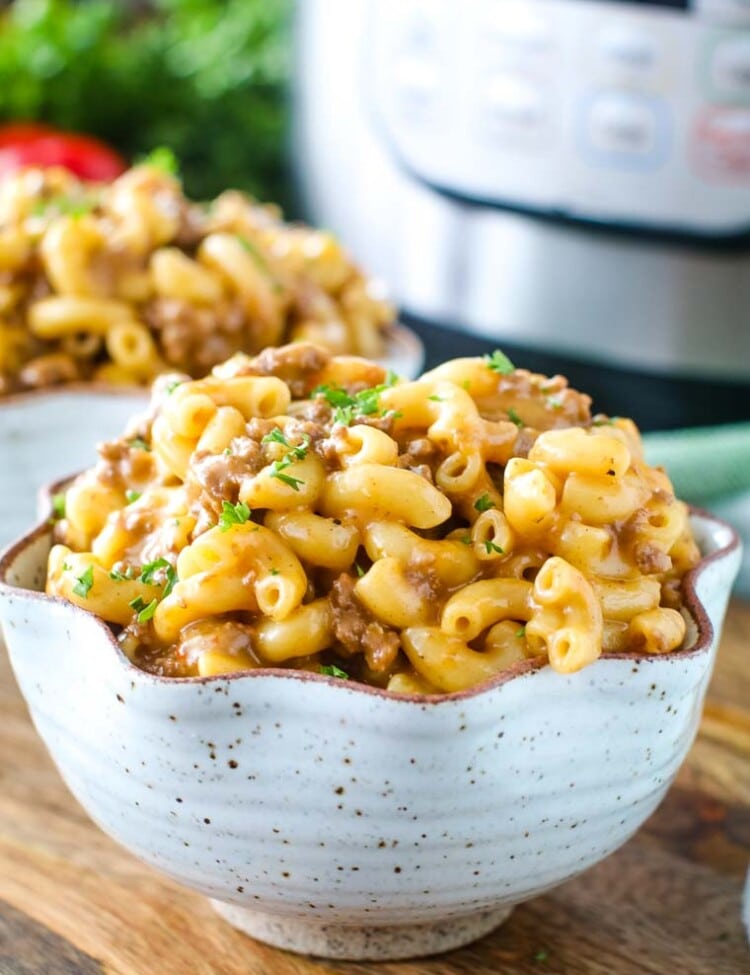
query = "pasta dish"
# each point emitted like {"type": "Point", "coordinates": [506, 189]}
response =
{"type": "Point", "coordinates": [122, 281]}
{"type": "Point", "coordinates": [304, 510]}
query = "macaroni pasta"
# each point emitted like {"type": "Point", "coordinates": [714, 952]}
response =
{"type": "Point", "coordinates": [121, 282]}
{"type": "Point", "coordinates": [309, 511]}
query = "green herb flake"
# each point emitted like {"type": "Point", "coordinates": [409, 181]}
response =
{"type": "Point", "coordinates": [227, 451]}
{"type": "Point", "coordinates": [65, 567]}
{"type": "Point", "coordinates": [58, 505]}
{"type": "Point", "coordinates": [260, 261]}
{"type": "Point", "coordinates": [118, 576]}
{"type": "Point", "coordinates": [484, 503]}
{"type": "Point", "coordinates": [84, 582]}
{"type": "Point", "coordinates": [144, 611]}
{"type": "Point", "coordinates": [490, 546]}
{"type": "Point", "coordinates": [233, 514]}
{"type": "Point", "coordinates": [436, 399]}
{"type": "Point", "coordinates": [274, 572]}
{"type": "Point", "coordinates": [276, 436]}
{"type": "Point", "coordinates": [465, 539]}
{"type": "Point", "coordinates": [347, 406]}
{"type": "Point", "coordinates": [171, 387]}
{"type": "Point", "coordinates": [607, 421]}
{"type": "Point", "coordinates": [554, 403]}
{"type": "Point", "coordinates": [514, 417]}
{"type": "Point", "coordinates": [151, 569]}
{"type": "Point", "coordinates": [331, 670]}
{"type": "Point", "coordinates": [138, 443]}
{"type": "Point", "coordinates": [499, 362]}
{"type": "Point", "coordinates": [277, 469]}
{"type": "Point", "coordinates": [541, 955]}
{"type": "Point", "coordinates": [358, 569]}
{"type": "Point", "coordinates": [163, 159]}
{"type": "Point", "coordinates": [131, 496]}
{"type": "Point", "coordinates": [521, 633]}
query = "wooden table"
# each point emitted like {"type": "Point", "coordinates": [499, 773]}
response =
{"type": "Point", "coordinates": [667, 903]}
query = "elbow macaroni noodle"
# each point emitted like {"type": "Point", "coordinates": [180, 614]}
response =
{"type": "Point", "coordinates": [309, 511]}
{"type": "Point", "coordinates": [124, 281]}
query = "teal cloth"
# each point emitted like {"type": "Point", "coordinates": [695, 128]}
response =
{"type": "Point", "coordinates": [705, 464]}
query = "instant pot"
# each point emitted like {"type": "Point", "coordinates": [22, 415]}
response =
{"type": "Point", "coordinates": [566, 179]}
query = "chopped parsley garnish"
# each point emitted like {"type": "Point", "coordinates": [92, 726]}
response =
{"type": "Point", "coordinates": [65, 567]}
{"type": "Point", "coordinates": [484, 503]}
{"type": "Point", "coordinates": [260, 261]}
{"type": "Point", "coordinates": [58, 505]}
{"type": "Point", "coordinates": [131, 496]}
{"type": "Point", "coordinates": [294, 453]}
{"type": "Point", "coordinates": [364, 403]}
{"type": "Point", "coordinates": [499, 362]}
{"type": "Point", "coordinates": [331, 670]}
{"type": "Point", "coordinates": [490, 547]}
{"type": "Point", "coordinates": [514, 417]}
{"type": "Point", "coordinates": [163, 159]}
{"type": "Point", "coordinates": [149, 570]}
{"type": "Point", "coordinates": [436, 399]}
{"type": "Point", "coordinates": [84, 582]}
{"type": "Point", "coordinates": [125, 576]}
{"type": "Point", "coordinates": [274, 572]}
{"type": "Point", "coordinates": [277, 471]}
{"type": "Point", "coordinates": [233, 514]}
{"type": "Point", "coordinates": [64, 205]}
{"type": "Point", "coordinates": [139, 443]}
{"type": "Point", "coordinates": [145, 611]}
{"type": "Point", "coordinates": [465, 539]}
{"type": "Point", "coordinates": [554, 402]}
{"type": "Point", "coordinates": [228, 451]}
{"type": "Point", "coordinates": [605, 422]}
{"type": "Point", "coordinates": [521, 633]}
{"type": "Point", "coordinates": [541, 955]}
{"type": "Point", "coordinates": [171, 387]}
{"type": "Point", "coordinates": [358, 569]}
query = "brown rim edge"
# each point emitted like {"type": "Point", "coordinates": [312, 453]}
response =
{"type": "Point", "coordinates": [692, 603]}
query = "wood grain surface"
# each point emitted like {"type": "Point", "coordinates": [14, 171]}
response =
{"type": "Point", "coordinates": [74, 903]}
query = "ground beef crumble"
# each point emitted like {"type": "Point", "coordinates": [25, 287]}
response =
{"type": "Point", "coordinates": [357, 631]}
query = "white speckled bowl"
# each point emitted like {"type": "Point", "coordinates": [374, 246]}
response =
{"type": "Point", "coordinates": [47, 434]}
{"type": "Point", "coordinates": [331, 818]}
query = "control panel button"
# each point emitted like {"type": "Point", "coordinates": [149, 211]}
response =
{"type": "Point", "coordinates": [730, 67]}
{"type": "Point", "coordinates": [619, 123]}
{"type": "Point", "coordinates": [518, 27]}
{"type": "Point", "coordinates": [623, 128]}
{"type": "Point", "coordinates": [628, 48]}
{"type": "Point", "coordinates": [514, 103]}
{"type": "Point", "coordinates": [720, 147]}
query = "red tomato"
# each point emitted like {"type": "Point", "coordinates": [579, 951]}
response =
{"type": "Point", "coordinates": [29, 144]}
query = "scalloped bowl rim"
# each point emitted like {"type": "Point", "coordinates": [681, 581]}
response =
{"type": "Point", "coordinates": [702, 644]}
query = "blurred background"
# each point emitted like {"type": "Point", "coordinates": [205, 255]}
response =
{"type": "Point", "coordinates": [566, 179]}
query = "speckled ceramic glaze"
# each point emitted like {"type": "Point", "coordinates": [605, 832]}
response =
{"type": "Point", "coordinates": [49, 434]}
{"type": "Point", "coordinates": [335, 819]}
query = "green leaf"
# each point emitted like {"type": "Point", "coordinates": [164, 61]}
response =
{"type": "Point", "coordinates": [163, 159]}
{"type": "Point", "coordinates": [499, 362]}
{"type": "Point", "coordinates": [514, 417]}
{"type": "Point", "coordinates": [125, 576]}
{"type": "Point", "coordinates": [277, 472]}
{"type": "Point", "coordinates": [233, 514]}
{"type": "Point", "coordinates": [490, 547]}
{"type": "Point", "coordinates": [58, 505]}
{"type": "Point", "coordinates": [84, 582]}
{"type": "Point", "coordinates": [138, 443]}
{"type": "Point", "coordinates": [484, 503]}
{"type": "Point", "coordinates": [131, 496]}
{"type": "Point", "coordinates": [331, 670]}
{"type": "Point", "coordinates": [144, 611]}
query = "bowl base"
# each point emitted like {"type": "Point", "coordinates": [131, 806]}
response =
{"type": "Point", "coordinates": [355, 943]}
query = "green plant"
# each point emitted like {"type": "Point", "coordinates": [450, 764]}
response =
{"type": "Point", "coordinates": [204, 77]}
